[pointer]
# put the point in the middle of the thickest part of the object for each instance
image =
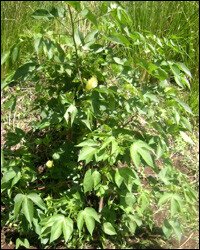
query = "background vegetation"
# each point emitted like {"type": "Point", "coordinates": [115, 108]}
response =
{"type": "Point", "coordinates": [171, 19]}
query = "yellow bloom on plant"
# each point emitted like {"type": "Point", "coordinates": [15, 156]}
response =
{"type": "Point", "coordinates": [91, 83]}
{"type": "Point", "coordinates": [49, 164]}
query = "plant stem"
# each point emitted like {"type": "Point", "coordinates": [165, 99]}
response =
{"type": "Point", "coordinates": [76, 50]}
{"type": "Point", "coordinates": [100, 204]}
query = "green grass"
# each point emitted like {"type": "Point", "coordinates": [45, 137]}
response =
{"type": "Point", "coordinates": [169, 19]}
{"type": "Point", "coordinates": [16, 19]}
{"type": "Point", "coordinates": [164, 19]}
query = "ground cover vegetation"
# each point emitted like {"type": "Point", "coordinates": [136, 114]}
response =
{"type": "Point", "coordinates": [95, 107]}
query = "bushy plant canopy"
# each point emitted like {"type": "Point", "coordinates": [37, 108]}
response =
{"type": "Point", "coordinates": [104, 130]}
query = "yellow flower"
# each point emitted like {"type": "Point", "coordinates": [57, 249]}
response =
{"type": "Point", "coordinates": [91, 83]}
{"type": "Point", "coordinates": [49, 164]}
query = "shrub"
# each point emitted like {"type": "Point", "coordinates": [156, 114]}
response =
{"type": "Point", "coordinates": [97, 163]}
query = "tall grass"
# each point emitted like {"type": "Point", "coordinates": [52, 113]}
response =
{"type": "Point", "coordinates": [164, 19]}
{"type": "Point", "coordinates": [16, 19]}
{"type": "Point", "coordinates": [168, 19]}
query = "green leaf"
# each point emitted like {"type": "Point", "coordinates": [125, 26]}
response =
{"type": "Point", "coordinates": [37, 42]}
{"type": "Point", "coordinates": [102, 155]}
{"type": "Point", "coordinates": [8, 176]}
{"type": "Point", "coordinates": [97, 48]}
{"type": "Point", "coordinates": [142, 144]}
{"type": "Point", "coordinates": [72, 110]}
{"type": "Point", "coordinates": [10, 104]}
{"type": "Point", "coordinates": [175, 208]}
{"type": "Point", "coordinates": [143, 201]}
{"type": "Point", "coordinates": [90, 16]}
{"type": "Point", "coordinates": [118, 60]}
{"type": "Point", "coordinates": [107, 142]}
{"type": "Point", "coordinates": [129, 183]}
{"type": "Point", "coordinates": [15, 54]}
{"type": "Point", "coordinates": [91, 36]}
{"type": "Point", "coordinates": [42, 14]}
{"type": "Point", "coordinates": [177, 229]}
{"type": "Point", "coordinates": [18, 202]}
{"type": "Point", "coordinates": [175, 70]}
{"type": "Point", "coordinates": [8, 80]}
{"type": "Point", "coordinates": [16, 178]}
{"type": "Point", "coordinates": [163, 175]}
{"type": "Point", "coordinates": [118, 38]}
{"type": "Point", "coordinates": [186, 138]}
{"type": "Point", "coordinates": [88, 142]}
{"type": "Point", "coordinates": [4, 57]}
{"type": "Point", "coordinates": [137, 219]}
{"type": "Point", "coordinates": [161, 74]}
{"type": "Point", "coordinates": [124, 16]}
{"type": "Point", "coordinates": [184, 69]}
{"type": "Point", "coordinates": [185, 81]}
{"type": "Point", "coordinates": [43, 125]}
{"type": "Point", "coordinates": [37, 200]}
{"type": "Point", "coordinates": [164, 198]}
{"type": "Point", "coordinates": [75, 4]}
{"type": "Point", "coordinates": [90, 223]}
{"type": "Point", "coordinates": [96, 178]}
{"type": "Point", "coordinates": [108, 228]}
{"type": "Point", "coordinates": [80, 220]}
{"type": "Point", "coordinates": [167, 228]}
{"type": "Point", "coordinates": [56, 230]}
{"type": "Point", "coordinates": [130, 199]}
{"type": "Point", "coordinates": [151, 97]}
{"type": "Point", "coordinates": [23, 71]}
{"type": "Point", "coordinates": [176, 116]}
{"type": "Point", "coordinates": [184, 105]}
{"type": "Point", "coordinates": [114, 148]}
{"type": "Point", "coordinates": [132, 227]}
{"type": "Point", "coordinates": [178, 81]}
{"type": "Point", "coordinates": [48, 222]}
{"type": "Point", "coordinates": [19, 243]}
{"type": "Point", "coordinates": [27, 209]}
{"type": "Point", "coordinates": [146, 156]}
{"type": "Point", "coordinates": [58, 11]}
{"type": "Point", "coordinates": [88, 182]}
{"type": "Point", "coordinates": [135, 156]}
{"type": "Point", "coordinates": [159, 151]}
{"type": "Point", "coordinates": [89, 215]}
{"type": "Point", "coordinates": [67, 228]}
{"type": "Point", "coordinates": [118, 178]}
{"type": "Point", "coordinates": [186, 124]}
{"type": "Point", "coordinates": [78, 37]}
{"type": "Point", "coordinates": [37, 226]}
{"type": "Point", "coordinates": [24, 243]}
{"type": "Point", "coordinates": [141, 147]}
{"type": "Point", "coordinates": [126, 173]}
{"type": "Point", "coordinates": [92, 212]}
{"type": "Point", "coordinates": [86, 154]}
{"type": "Point", "coordinates": [87, 122]}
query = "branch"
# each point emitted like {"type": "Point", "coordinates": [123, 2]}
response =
{"type": "Point", "coordinates": [186, 241]}
{"type": "Point", "coordinates": [76, 51]}
{"type": "Point", "coordinates": [130, 119]}
{"type": "Point", "coordinates": [100, 204]}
